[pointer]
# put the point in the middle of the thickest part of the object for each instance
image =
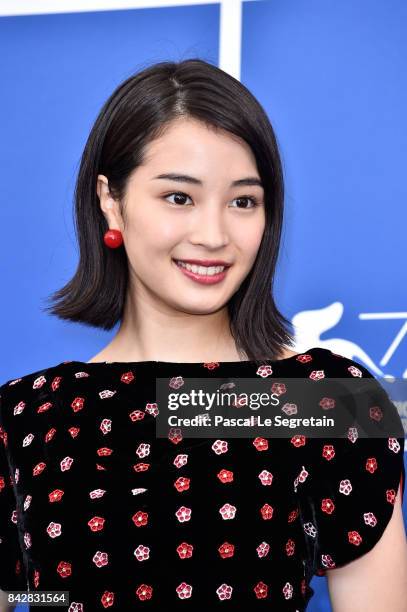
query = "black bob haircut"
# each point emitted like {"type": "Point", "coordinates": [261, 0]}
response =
{"type": "Point", "coordinates": [136, 113]}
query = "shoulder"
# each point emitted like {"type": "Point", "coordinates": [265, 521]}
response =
{"type": "Point", "coordinates": [17, 392]}
{"type": "Point", "coordinates": [335, 364]}
{"type": "Point", "coordinates": [349, 479]}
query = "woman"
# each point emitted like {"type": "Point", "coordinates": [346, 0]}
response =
{"type": "Point", "coordinates": [179, 208]}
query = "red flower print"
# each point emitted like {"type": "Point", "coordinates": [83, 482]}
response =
{"type": "Point", "coordinates": [370, 519]}
{"type": "Point", "coordinates": [100, 559]}
{"type": "Point", "coordinates": [224, 591]}
{"type": "Point", "coordinates": [391, 496]}
{"type": "Point", "coordinates": [55, 383]}
{"type": "Point", "coordinates": [292, 515]}
{"type": "Point", "coordinates": [288, 590]}
{"type": "Point", "coordinates": [127, 377]}
{"type": "Point", "coordinates": [266, 477]}
{"type": "Point", "coordinates": [345, 486]}
{"type": "Point", "coordinates": [36, 579]}
{"type": "Point", "coordinates": [180, 460]}
{"type": "Point", "coordinates": [261, 590]}
{"type": "Point", "coordinates": [227, 511]}
{"type": "Point", "coordinates": [305, 358]}
{"type": "Point", "coordinates": [278, 388]}
{"type": "Point", "coordinates": [106, 394]}
{"type": "Point", "coordinates": [28, 439]}
{"type": "Point", "coordinates": [104, 452]}
{"type": "Point", "coordinates": [77, 404]}
{"type": "Point", "coordinates": [142, 553]}
{"type": "Point", "coordinates": [184, 550]}
{"type": "Point", "coordinates": [290, 409]}
{"type": "Point", "coordinates": [14, 517]}
{"type": "Point", "coordinates": [183, 514]}
{"type": "Point", "coordinates": [264, 371]}
{"type": "Point", "coordinates": [39, 468]}
{"type": "Point", "coordinates": [174, 435]}
{"type": "Point", "coordinates": [303, 475]}
{"type": "Point", "coordinates": [27, 539]}
{"type": "Point", "coordinates": [44, 407]}
{"type": "Point", "coordinates": [138, 490]}
{"type": "Point", "coordinates": [393, 444]}
{"type": "Point", "coordinates": [328, 451]}
{"type": "Point", "coordinates": [182, 484]}
{"type": "Point", "coordinates": [96, 493]}
{"type": "Point", "coordinates": [327, 561]}
{"type": "Point", "coordinates": [211, 365]}
{"type": "Point", "coordinates": [55, 495]}
{"type": "Point", "coordinates": [64, 569]}
{"type": "Point", "coordinates": [74, 431]}
{"type": "Point", "coordinates": [220, 446]}
{"type": "Point", "coordinates": [152, 408]}
{"type": "Point", "coordinates": [317, 375]}
{"type": "Point", "coordinates": [50, 434]}
{"type": "Point", "coordinates": [298, 440]}
{"type": "Point", "coordinates": [371, 465]}
{"type": "Point", "coordinates": [96, 523]}
{"type": "Point", "coordinates": [184, 590]}
{"type": "Point", "coordinates": [66, 463]}
{"type": "Point", "coordinates": [266, 512]}
{"type": "Point", "coordinates": [310, 529]}
{"type": "Point", "coordinates": [107, 599]}
{"type": "Point", "coordinates": [263, 550]}
{"type": "Point", "coordinates": [354, 538]}
{"type": "Point", "coordinates": [376, 413]}
{"type": "Point", "coordinates": [176, 382]}
{"type": "Point", "coordinates": [143, 450]}
{"type": "Point", "coordinates": [140, 518]}
{"type": "Point", "coordinates": [226, 550]}
{"type": "Point", "coordinates": [327, 403]}
{"type": "Point", "coordinates": [144, 591]}
{"type": "Point", "coordinates": [225, 476]}
{"type": "Point", "coordinates": [290, 547]}
{"type": "Point", "coordinates": [54, 530]}
{"type": "Point", "coordinates": [39, 382]}
{"type": "Point", "coordinates": [105, 426]}
{"type": "Point", "coordinates": [327, 505]}
{"type": "Point", "coordinates": [261, 444]}
{"type": "Point", "coordinates": [141, 467]}
{"type": "Point", "coordinates": [137, 415]}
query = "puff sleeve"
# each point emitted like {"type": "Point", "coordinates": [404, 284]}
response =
{"type": "Point", "coordinates": [12, 574]}
{"type": "Point", "coordinates": [347, 486]}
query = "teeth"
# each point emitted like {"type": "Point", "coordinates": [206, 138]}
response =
{"type": "Point", "coordinates": [204, 270]}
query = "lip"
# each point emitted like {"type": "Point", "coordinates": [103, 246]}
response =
{"type": "Point", "coordinates": [205, 262]}
{"type": "Point", "coordinates": [201, 278]}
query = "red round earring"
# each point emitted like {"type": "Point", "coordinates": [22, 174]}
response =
{"type": "Point", "coordinates": [113, 238]}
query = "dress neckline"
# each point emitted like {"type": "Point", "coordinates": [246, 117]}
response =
{"type": "Point", "coordinates": [310, 351]}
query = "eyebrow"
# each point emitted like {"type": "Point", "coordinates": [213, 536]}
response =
{"type": "Point", "coordinates": [185, 178]}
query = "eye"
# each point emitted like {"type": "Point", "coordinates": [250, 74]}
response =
{"type": "Point", "coordinates": [255, 202]}
{"type": "Point", "coordinates": [179, 195]}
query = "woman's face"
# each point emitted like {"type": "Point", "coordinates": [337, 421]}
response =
{"type": "Point", "coordinates": [197, 214]}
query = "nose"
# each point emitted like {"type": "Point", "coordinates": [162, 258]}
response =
{"type": "Point", "coordinates": [208, 227]}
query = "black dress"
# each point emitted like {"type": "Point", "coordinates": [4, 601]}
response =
{"type": "Point", "coordinates": [94, 503]}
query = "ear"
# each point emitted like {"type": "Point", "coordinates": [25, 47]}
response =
{"type": "Point", "coordinates": [108, 204]}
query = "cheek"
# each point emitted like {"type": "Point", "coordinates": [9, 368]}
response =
{"type": "Point", "coordinates": [151, 235]}
{"type": "Point", "coordinates": [247, 237]}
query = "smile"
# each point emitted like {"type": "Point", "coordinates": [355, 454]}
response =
{"type": "Point", "coordinates": [202, 274]}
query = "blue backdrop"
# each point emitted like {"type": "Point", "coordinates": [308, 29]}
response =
{"type": "Point", "coordinates": [331, 76]}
